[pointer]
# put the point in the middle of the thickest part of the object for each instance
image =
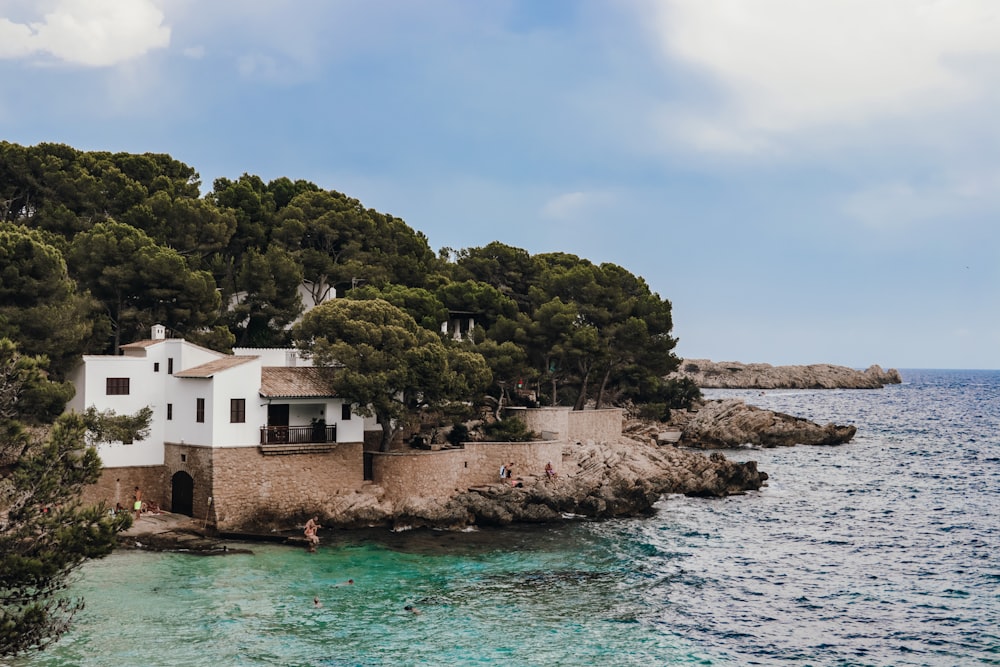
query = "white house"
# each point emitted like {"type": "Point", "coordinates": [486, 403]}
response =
{"type": "Point", "coordinates": [269, 402]}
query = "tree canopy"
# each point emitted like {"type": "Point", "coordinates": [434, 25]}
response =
{"type": "Point", "coordinates": [45, 533]}
{"type": "Point", "coordinates": [111, 243]}
{"type": "Point", "coordinates": [383, 360]}
{"type": "Point", "coordinates": [96, 247]}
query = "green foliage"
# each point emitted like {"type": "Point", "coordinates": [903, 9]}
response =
{"type": "Point", "coordinates": [140, 283]}
{"type": "Point", "coordinates": [458, 434]}
{"type": "Point", "coordinates": [420, 304]}
{"type": "Point", "coordinates": [387, 363]}
{"type": "Point", "coordinates": [268, 300]}
{"type": "Point", "coordinates": [142, 247]}
{"type": "Point", "coordinates": [27, 393]}
{"type": "Point", "coordinates": [655, 395]}
{"type": "Point", "coordinates": [45, 533]}
{"type": "Point", "coordinates": [106, 426]}
{"type": "Point", "coordinates": [510, 429]}
{"type": "Point", "coordinates": [40, 307]}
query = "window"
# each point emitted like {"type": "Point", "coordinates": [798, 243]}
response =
{"type": "Point", "coordinates": [345, 412]}
{"type": "Point", "coordinates": [199, 411]}
{"type": "Point", "coordinates": [117, 386]}
{"type": "Point", "coordinates": [156, 366]}
{"type": "Point", "coordinates": [170, 366]}
{"type": "Point", "coordinates": [170, 411]}
{"type": "Point", "coordinates": [237, 410]}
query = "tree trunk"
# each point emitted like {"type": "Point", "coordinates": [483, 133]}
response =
{"type": "Point", "coordinates": [604, 386]}
{"type": "Point", "coordinates": [503, 396]}
{"type": "Point", "coordinates": [581, 400]}
{"type": "Point", "coordinates": [388, 432]}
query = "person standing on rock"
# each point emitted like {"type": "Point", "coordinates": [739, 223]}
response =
{"type": "Point", "coordinates": [137, 503]}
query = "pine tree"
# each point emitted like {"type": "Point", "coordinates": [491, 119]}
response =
{"type": "Point", "coordinates": [45, 532]}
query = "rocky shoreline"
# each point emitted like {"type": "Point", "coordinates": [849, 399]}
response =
{"type": "Point", "coordinates": [598, 480]}
{"type": "Point", "coordinates": [731, 423]}
{"type": "Point", "coordinates": [735, 375]}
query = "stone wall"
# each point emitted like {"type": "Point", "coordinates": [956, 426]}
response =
{"type": "Point", "coordinates": [241, 489]}
{"type": "Point", "coordinates": [117, 485]}
{"type": "Point", "coordinates": [197, 462]}
{"type": "Point", "coordinates": [551, 423]}
{"type": "Point", "coordinates": [602, 425]}
{"type": "Point", "coordinates": [439, 474]}
{"type": "Point", "coordinates": [572, 425]}
{"type": "Point", "coordinates": [252, 490]}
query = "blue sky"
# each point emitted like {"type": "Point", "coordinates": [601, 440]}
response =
{"type": "Point", "coordinates": [806, 182]}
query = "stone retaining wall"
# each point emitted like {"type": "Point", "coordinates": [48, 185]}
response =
{"type": "Point", "coordinates": [602, 425]}
{"type": "Point", "coordinates": [253, 489]}
{"type": "Point", "coordinates": [572, 425]}
{"type": "Point", "coordinates": [117, 485]}
{"type": "Point", "coordinates": [439, 474]}
{"type": "Point", "coordinates": [239, 488]}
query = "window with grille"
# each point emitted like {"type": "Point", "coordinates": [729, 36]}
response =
{"type": "Point", "coordinates": [117, 386]}
{"type": "Point", "coordinates": [237, 410]}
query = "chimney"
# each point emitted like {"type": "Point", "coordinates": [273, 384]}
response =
{"type": "Point", "coordinates": [159, 332]}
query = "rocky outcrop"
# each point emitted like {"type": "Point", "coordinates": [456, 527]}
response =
{"type": "Point", "coordinates": [624, 477]}
{"type": "Point", "coordinates": [598, 480]}
{"type": "Point", "coordinates": [732, 423]}
{"type": "Point", "coordinates": [734, 375]}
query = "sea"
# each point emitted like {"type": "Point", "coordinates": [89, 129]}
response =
{"type": "Point", "coordinates": [884, 551]}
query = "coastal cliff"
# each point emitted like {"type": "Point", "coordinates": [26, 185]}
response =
{"type": "Point", "coordinates": [735, 375]}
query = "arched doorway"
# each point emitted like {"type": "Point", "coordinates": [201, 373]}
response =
{"type": "Point", "coordinates": [182, 493]}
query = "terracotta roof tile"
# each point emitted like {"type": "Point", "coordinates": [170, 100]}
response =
{"type": "Point", "coordinates": [212, 367]}
{"type": "Point", "coordinates": [297, 382]}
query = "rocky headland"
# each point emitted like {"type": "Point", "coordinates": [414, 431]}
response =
{"type": "Point", "coordinates": [735, 375]}
{"type": "Point", "coordinates": [600, 480]}
{"type": "Point", "coordinates": [624, 477]}
{"type": "Point", "coordinates": [729, 423]}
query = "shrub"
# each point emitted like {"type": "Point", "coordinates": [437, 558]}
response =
{"type": "Point", "coordinates": [508, 430]}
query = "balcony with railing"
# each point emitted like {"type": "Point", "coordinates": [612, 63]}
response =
{"type": "Point", "coordinates": [297, 439]}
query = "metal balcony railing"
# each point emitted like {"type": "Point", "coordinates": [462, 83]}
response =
{"type": "Point", "coordinates": [297, 435]}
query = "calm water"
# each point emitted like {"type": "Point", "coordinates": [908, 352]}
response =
{"type": "Point", "coordinates": [880, 552]}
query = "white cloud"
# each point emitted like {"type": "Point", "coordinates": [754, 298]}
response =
{"type": "Point", "coordinates": [94, 33]}
{"type": "Point", "coordinates": [572, 205]}
{"type": "Point", "coordinates": [788, 65]}
{"type": "Point", "coordinates": [896, 205]}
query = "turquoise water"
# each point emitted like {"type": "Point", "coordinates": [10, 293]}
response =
{"type": "Point", "coordinates": [879, 552]}
{"type": "Point", "coordinates": [519, 597]}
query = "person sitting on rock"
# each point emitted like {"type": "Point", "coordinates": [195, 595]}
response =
{"type": "Point", "coordinates": [550, 472]}
{"type": "Point", "coordinates": [311, 528]}
{"type": "Point", "coordinates": [516, 482]}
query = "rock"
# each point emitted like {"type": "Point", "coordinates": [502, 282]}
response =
{"type": "Point", "coordinates": [735, 375]}
{"type": "Point", "coordinates": [173, 532]}
{"type": "Point", "coordinates": [732, 423]}
{"type": "Point", "coordinates": [625, 477]}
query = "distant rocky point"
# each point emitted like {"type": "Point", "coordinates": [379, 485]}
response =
{"type": "Point", "coordinates": [732, 423]}
{"type": "Point", "coordinates": [735, 375]}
